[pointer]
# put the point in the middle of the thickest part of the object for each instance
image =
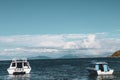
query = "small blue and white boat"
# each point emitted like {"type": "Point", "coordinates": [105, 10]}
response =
{"type": "Point", "coordinates": [100, 68]}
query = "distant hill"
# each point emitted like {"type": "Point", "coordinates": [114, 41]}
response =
{"type": "Point", "coordinates": [68, 56]}
{"type": "Point", "coordinates": [40, 57]}
{"type": "Point", "coordinates": [116, 54]}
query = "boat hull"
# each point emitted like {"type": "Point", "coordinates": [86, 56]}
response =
{"type": "Point", "coordinates": [105, 73]}
{"type": "Point", "coordinates": [18, 71]}
{"type": "Point", "coordinates": [99, 72]}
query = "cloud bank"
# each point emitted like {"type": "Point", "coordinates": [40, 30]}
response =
{"type": "Point", "coordinates": [58, 45]}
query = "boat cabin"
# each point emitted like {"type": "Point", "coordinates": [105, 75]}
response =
{"type": "Point", "coordinates": [103, 66]}
{"type": "Point", "coordinates": [20, 64]}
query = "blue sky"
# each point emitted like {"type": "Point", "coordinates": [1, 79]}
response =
{"type": "Point", "coordinates": [58, 16]}
{"type": "Point", "coordinates": [59, 24]}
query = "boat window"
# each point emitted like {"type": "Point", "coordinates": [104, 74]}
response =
{"type": "Point", "coordinates": [105, 68]}
{"type": "Point", "coordinates": [25, 64]}
{"type": "Point", "coordinates": [19, 65]}
{"type": "Point", "coordinates": [97, 67]}
{"type": "Point", "coordinates": [13, 64]}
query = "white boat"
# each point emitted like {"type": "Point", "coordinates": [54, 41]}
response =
{"type": "Point", "coordinates": [100, 68]}
{"type": "Point", "coordinates": [19, 66]}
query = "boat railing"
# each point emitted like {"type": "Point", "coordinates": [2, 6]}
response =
{"type": "Point", "coordinates": [19, 59]}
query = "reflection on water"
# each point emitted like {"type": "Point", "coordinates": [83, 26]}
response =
{"type": "Point", "coordinates": [101, 77]}
{"type": "Point", "coordinates": [105, 77]}
{"type": "Point", "coordinates": [19, 77]}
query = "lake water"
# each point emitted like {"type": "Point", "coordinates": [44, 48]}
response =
{"type": "Point", "coordinates": [62, 69]}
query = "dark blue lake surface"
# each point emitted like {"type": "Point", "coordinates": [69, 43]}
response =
{"type": "Point", "coordinates": [62, 69]}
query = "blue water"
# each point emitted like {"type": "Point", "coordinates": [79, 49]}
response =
{"type": "Point", "coordinates": [62, 69]}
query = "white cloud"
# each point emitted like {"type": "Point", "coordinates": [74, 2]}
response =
{"type": "Point", "coordinates": [70, 45]}
{"type": "Point", "coordinates": [97, 43]}
{"type": "Point", "coordinates": [91, 42]}
{"type": "Point", "coordinates": [30, 50]}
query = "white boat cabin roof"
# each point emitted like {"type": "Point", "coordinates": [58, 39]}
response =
{"type": "Point", "coordinates": [19, 60]}
{"type": "Point", "coordinates": [100, 63]}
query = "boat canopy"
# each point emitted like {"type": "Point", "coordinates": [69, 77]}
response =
{"type": "Point", "coordinates": [100, 63]}
{"type": "Point", "coordinates": [102, 67]}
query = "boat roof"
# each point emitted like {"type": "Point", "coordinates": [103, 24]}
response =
{"type": "Point", "coordinates": [100, 63]}
{"type": "Point", "coordinates": [19, 60]}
